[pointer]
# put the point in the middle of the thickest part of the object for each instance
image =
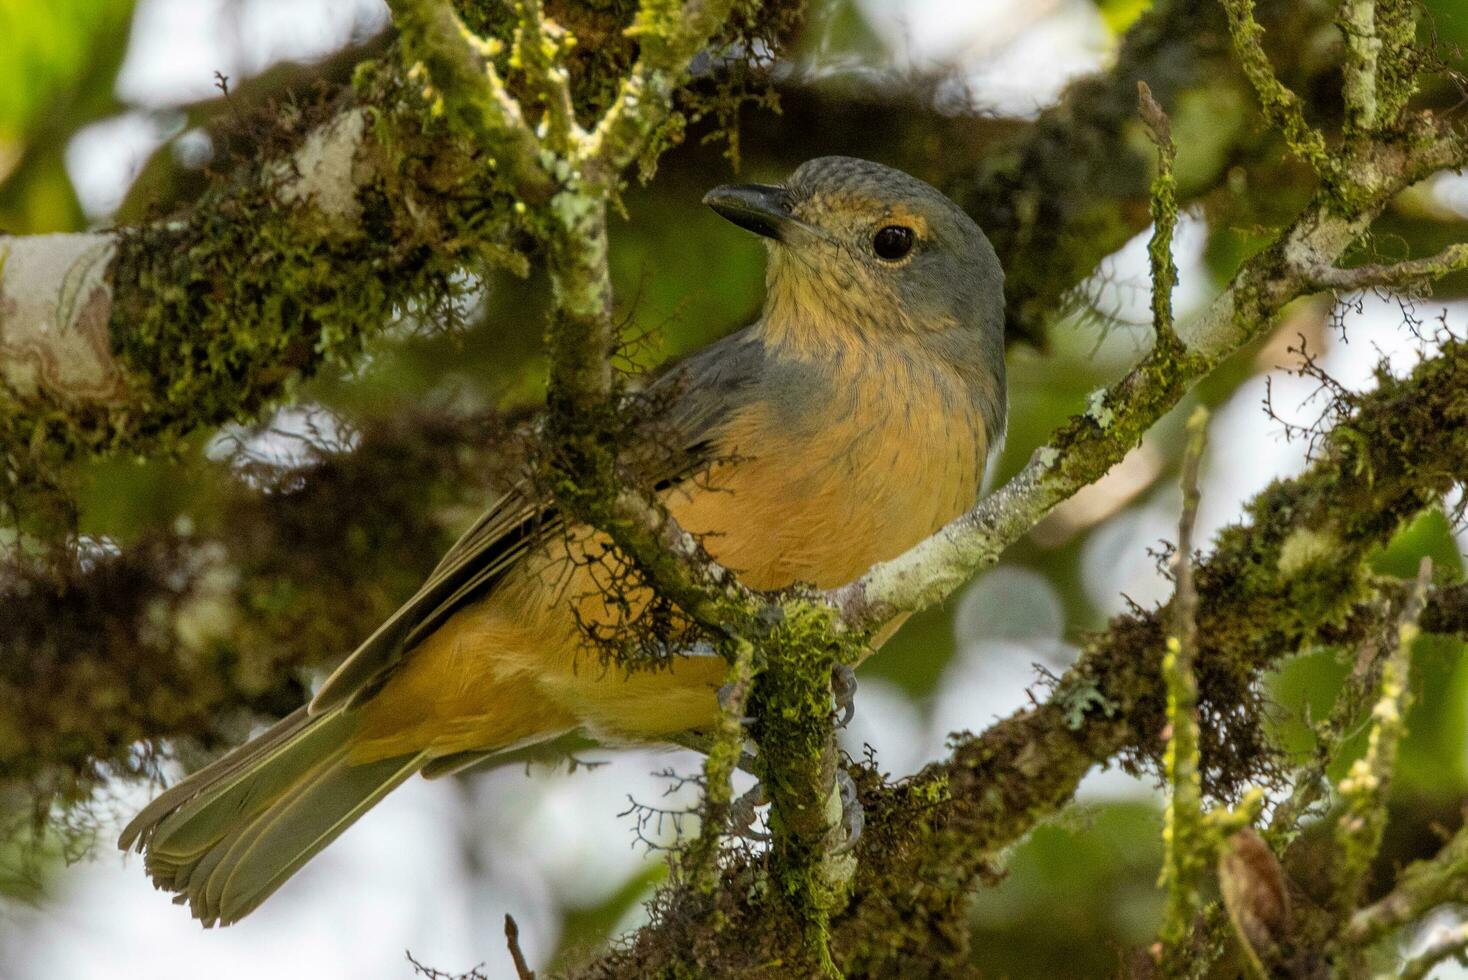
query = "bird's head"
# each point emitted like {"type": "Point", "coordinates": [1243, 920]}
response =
{"type": "Point", "coordinates": [857, 245]}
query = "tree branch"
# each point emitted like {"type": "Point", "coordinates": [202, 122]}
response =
{"type": "Point", "coordinates": [1421, 887]}
{"type": "Point", "coordinates": [1407, 274]}
{"type": "Point", "coordinates": [1364, 791]}
{"type": "Point", "coordinates": [1281, 106]}
{"type": "Point", "coordinates": [468, 86]}
{"type": "Point", "coordinates": [1185, 840]}
{"type": "Point", "coordinates": [670, 33]}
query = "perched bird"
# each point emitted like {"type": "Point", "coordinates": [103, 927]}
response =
{"type": "Point", "coordinates": [852, 420]}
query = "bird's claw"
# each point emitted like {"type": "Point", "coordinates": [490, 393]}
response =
{"type": "Point", "coordinates": [843, 689]}
{"type": "Point", "coordinates": [741, 813]}
{"type": "Point", "coordinates": [853, 816]}
{"type": "Point", "coordinates": [725, 695]}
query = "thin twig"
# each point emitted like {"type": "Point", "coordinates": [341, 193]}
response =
{"type": "Point", "coordinates": [1364, 790]}
{"type": "Point", "coordinates": [1187, 850]}
{"type": "Point", "coordinates": [512, 940]}
{"type": "Point", "coordinates": [1394, 275]}
{"type": "Point", "coordinates": [1281, 107]}
{"type": "Point", "coordinates": [1448, 942]}
{"type": "Point", "coordinates": [1164, 214]}
{"type": "Point", "coordinates": [700, 860]}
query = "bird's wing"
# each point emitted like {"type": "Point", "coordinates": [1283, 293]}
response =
{"type": "Point", "coordinates": [701, 391]}
{"type": "Point", "coordinates": [499, 538]}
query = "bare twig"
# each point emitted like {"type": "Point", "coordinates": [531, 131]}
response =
{"type": "Point", "coordinates": [1395, 275]}
{"type": "Point", "coordinates": [512, 940]}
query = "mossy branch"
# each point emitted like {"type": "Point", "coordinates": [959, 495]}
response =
{"type": "Point", "coordinates": [1358, 23]}
{"type": "Point", "coordinates": [699, 861]}
{"type": "Point", "coordinates": [467, 88]}
{"type": "Point", "coordinates": [790, 697]}
{"type": "Point", "coordinates": [1282, 107]}
{"type": "Point", "coordinates": [1409, 274]}
{"type": "Point", "coordinates": [1186, 848]}
{"type": "Point", "coordinates": [1444, 944]}
{"type": "Point", "coordinates": [1363, 791]}
{"type": "Point", "coordinates": [540, 51]}
{"type": "Point", "coordinates": [1308, 781]}
{"type": "Point", "coordinates": [670, 33]}
{"type": "Point", "coordinates": [1090, 444]}
{"type": "Point", "coordinates": [1420, 887]}
{"type": "Point", "coordinates": [1164, 214]}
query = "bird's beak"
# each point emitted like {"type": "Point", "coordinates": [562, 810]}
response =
{"type": "Point", "coordinates": [761, 208]}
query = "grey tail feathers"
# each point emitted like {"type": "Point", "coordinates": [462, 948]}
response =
{"type": "Point", "coordinates": [229, 835]}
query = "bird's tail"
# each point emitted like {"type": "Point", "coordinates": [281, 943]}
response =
{"type": "Point", "coordinates": [229, 835]}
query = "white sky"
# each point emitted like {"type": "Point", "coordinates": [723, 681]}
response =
{"type": "Point", "coordinates": [397, 880]}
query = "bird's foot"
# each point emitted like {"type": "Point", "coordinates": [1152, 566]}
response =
{"type": "Point", "coordinates": [742, 815]}
{"type": "Point", "coordinates": [725, 695]}
{"type": "Point", "coordinates": [853, 816]}
{"type": "Point", "coordinates": [843, 689]}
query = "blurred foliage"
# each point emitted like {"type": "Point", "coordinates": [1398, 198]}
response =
{"type": "Point", "coordinates": [1079, 890]}
{"type": "Point", "coordinates": [58, 62]}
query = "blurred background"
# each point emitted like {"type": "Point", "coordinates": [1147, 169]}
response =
{"type": "Point", "coordinates": [105, 110]}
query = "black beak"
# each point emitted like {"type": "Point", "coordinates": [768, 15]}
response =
{"type": "Point", "coordinates": [762, 208]}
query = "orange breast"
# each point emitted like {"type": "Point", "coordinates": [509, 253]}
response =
{"type": "Point", "coordinates": [877, 478]}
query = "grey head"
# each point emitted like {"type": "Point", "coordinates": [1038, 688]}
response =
{"type": "Point", "coordinates": [871, 247]}
{"type": "Point", "coordinates": [862, 252]}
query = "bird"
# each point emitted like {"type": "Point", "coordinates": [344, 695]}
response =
{"type": "Point", "coordinates": [854, 418]}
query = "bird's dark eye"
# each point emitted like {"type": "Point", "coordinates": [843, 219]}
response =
{"type": "Point", "coordinates": [892, 242]}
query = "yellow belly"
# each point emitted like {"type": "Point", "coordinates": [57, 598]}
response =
{"type": "Point", "coordinates": [515, 667]}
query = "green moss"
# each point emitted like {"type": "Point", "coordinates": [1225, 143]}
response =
{"type": "Point", "coordinates": [220, 312]}
{"type": "Point", "coordinates": [792, 707]}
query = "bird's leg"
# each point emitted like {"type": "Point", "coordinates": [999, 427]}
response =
{"type": "Point", "coordinates": [843, 689]}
